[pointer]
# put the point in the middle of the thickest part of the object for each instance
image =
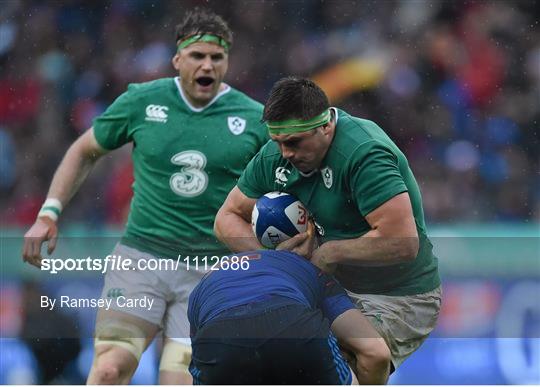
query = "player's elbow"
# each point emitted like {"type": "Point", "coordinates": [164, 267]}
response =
{"type": "Point", "coordinates": [86, 147]}
{"type": "Point", "coordinates": [223, 224]}
{"type": "Point", "coordinates": [407, 249]}
{"type": "Point", "coordinates": [373, 362]}
{"type": "Point", "coordinates": [218, 224]}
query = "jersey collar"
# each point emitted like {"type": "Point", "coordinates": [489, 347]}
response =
{"type": "Point", "coordinates": [196, 109]}
{"type": "Point", "coordinates": [336, 113]}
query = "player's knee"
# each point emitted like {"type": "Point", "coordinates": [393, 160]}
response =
{"type": "Point", "coordinates": [113, 335]}
{"type": "Point", "coordinates": [118, 348]}
{"type": "Point", "coordinates": [105, 367]}
{"type": "Point", "coordinates": [379, 353]}
{"type": "Point", "coordinates": [374, 362]}
{"type": "Point", "coordinates": [112, 365]}
{"type": "Point", "coordinates": [107, 373]}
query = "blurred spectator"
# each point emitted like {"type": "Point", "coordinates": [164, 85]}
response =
{"type": "Point", "coordinates": [118, 192]}
{"type": "Point", "coordinates": [457, 84]}
{"type": "Point", "coordinates": [7, 162]}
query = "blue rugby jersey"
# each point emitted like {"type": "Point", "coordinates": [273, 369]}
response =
{"type": "Point", "coordinates": [290, 277]}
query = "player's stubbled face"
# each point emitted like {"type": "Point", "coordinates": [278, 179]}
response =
{"type": "Point", "coordinates": [202, 67]}
{"type": "Point", "coordinates": [304, 150]}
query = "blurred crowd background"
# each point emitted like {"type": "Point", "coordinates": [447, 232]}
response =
{"type": "Point", "coordinates": [455, 83]}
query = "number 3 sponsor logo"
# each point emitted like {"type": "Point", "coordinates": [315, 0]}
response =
{"type": "Point", "coordinates": [192, 180]}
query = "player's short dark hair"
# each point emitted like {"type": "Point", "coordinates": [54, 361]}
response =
{"type": "Point", "coordinates": [293, 97]}
{"type": "Point", "coordinates": [203, 21]}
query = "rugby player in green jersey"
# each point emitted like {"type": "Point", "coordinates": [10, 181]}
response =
{"type": "Point", "coordinates": [362, 193]}
{"type": "Point", "coordinates": [192, 137]}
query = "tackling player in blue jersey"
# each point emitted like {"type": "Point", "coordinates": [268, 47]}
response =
{"type": "Point", "coordinates": [275, 320]}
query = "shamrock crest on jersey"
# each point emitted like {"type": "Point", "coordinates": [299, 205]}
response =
{"type": "Point", "coordinates": [237, 125]}
{"type": "Point", "coordinates": [327, 176]}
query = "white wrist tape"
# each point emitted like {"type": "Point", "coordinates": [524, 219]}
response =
{"type": "Point", "coordinates": [51, 209]}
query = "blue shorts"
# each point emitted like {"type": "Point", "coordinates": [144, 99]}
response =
{"type": "Point", "coordinates": [289, 344]}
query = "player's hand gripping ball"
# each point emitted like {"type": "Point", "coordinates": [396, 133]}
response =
{"type": "Point", "coordinates": [276, 217]}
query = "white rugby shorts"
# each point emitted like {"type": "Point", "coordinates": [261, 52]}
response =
{"type": "Point", "coordinates": [168, 289]}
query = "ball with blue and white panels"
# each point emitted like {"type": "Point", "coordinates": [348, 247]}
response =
{"type": "Point", "coordinates": [278, 216]}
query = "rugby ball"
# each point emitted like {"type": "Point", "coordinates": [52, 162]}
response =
{"type": "Point", "coordinates": [276, 217]}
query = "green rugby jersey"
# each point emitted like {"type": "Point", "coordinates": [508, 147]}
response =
{"type": "Point", "coordinates": [362, 169]}
{"type": "Point", "coordinates": [186, 160]}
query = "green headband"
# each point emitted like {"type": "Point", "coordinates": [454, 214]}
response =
{"type": "Point", "coordinates": [298, 126]}
{"type": "Point", "coordinates": [206, 38]}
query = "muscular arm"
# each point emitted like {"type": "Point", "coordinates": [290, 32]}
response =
{"type": "Point", "coordinates": [393, 238]}
{"type": "Point", "coordinates": [355, 334]}
{"type": "Point", "coordinates": [233, 227]}
{"type": "Point", "coordinates": [233, 222]}
{"type": "Point", "coordinates": [75, 167]}
{"type": "Point", "coordinates": [69, 176]}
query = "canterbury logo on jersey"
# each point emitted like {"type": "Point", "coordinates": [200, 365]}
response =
{"type": "Point", "coordinates": [281, 175]}
{"type": "Point", "coordinates": [156, 113]}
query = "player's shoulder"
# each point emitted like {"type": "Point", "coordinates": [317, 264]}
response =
{"type": "Point", "coordinates": [157, 86]}
{"type": "Point", "coordinates": [237, 97]}
{"type": "Point", "coordinates": [270, 151]}
{"type": "Point", "coordinates": [356, 129]}
{"type": "Point", "coordinates": [354, 133]}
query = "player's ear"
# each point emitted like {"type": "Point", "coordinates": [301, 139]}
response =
{"type": "Point", "coordinates": [328, 128]}
{"type": "Point", "coordinates": [176, 62]}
